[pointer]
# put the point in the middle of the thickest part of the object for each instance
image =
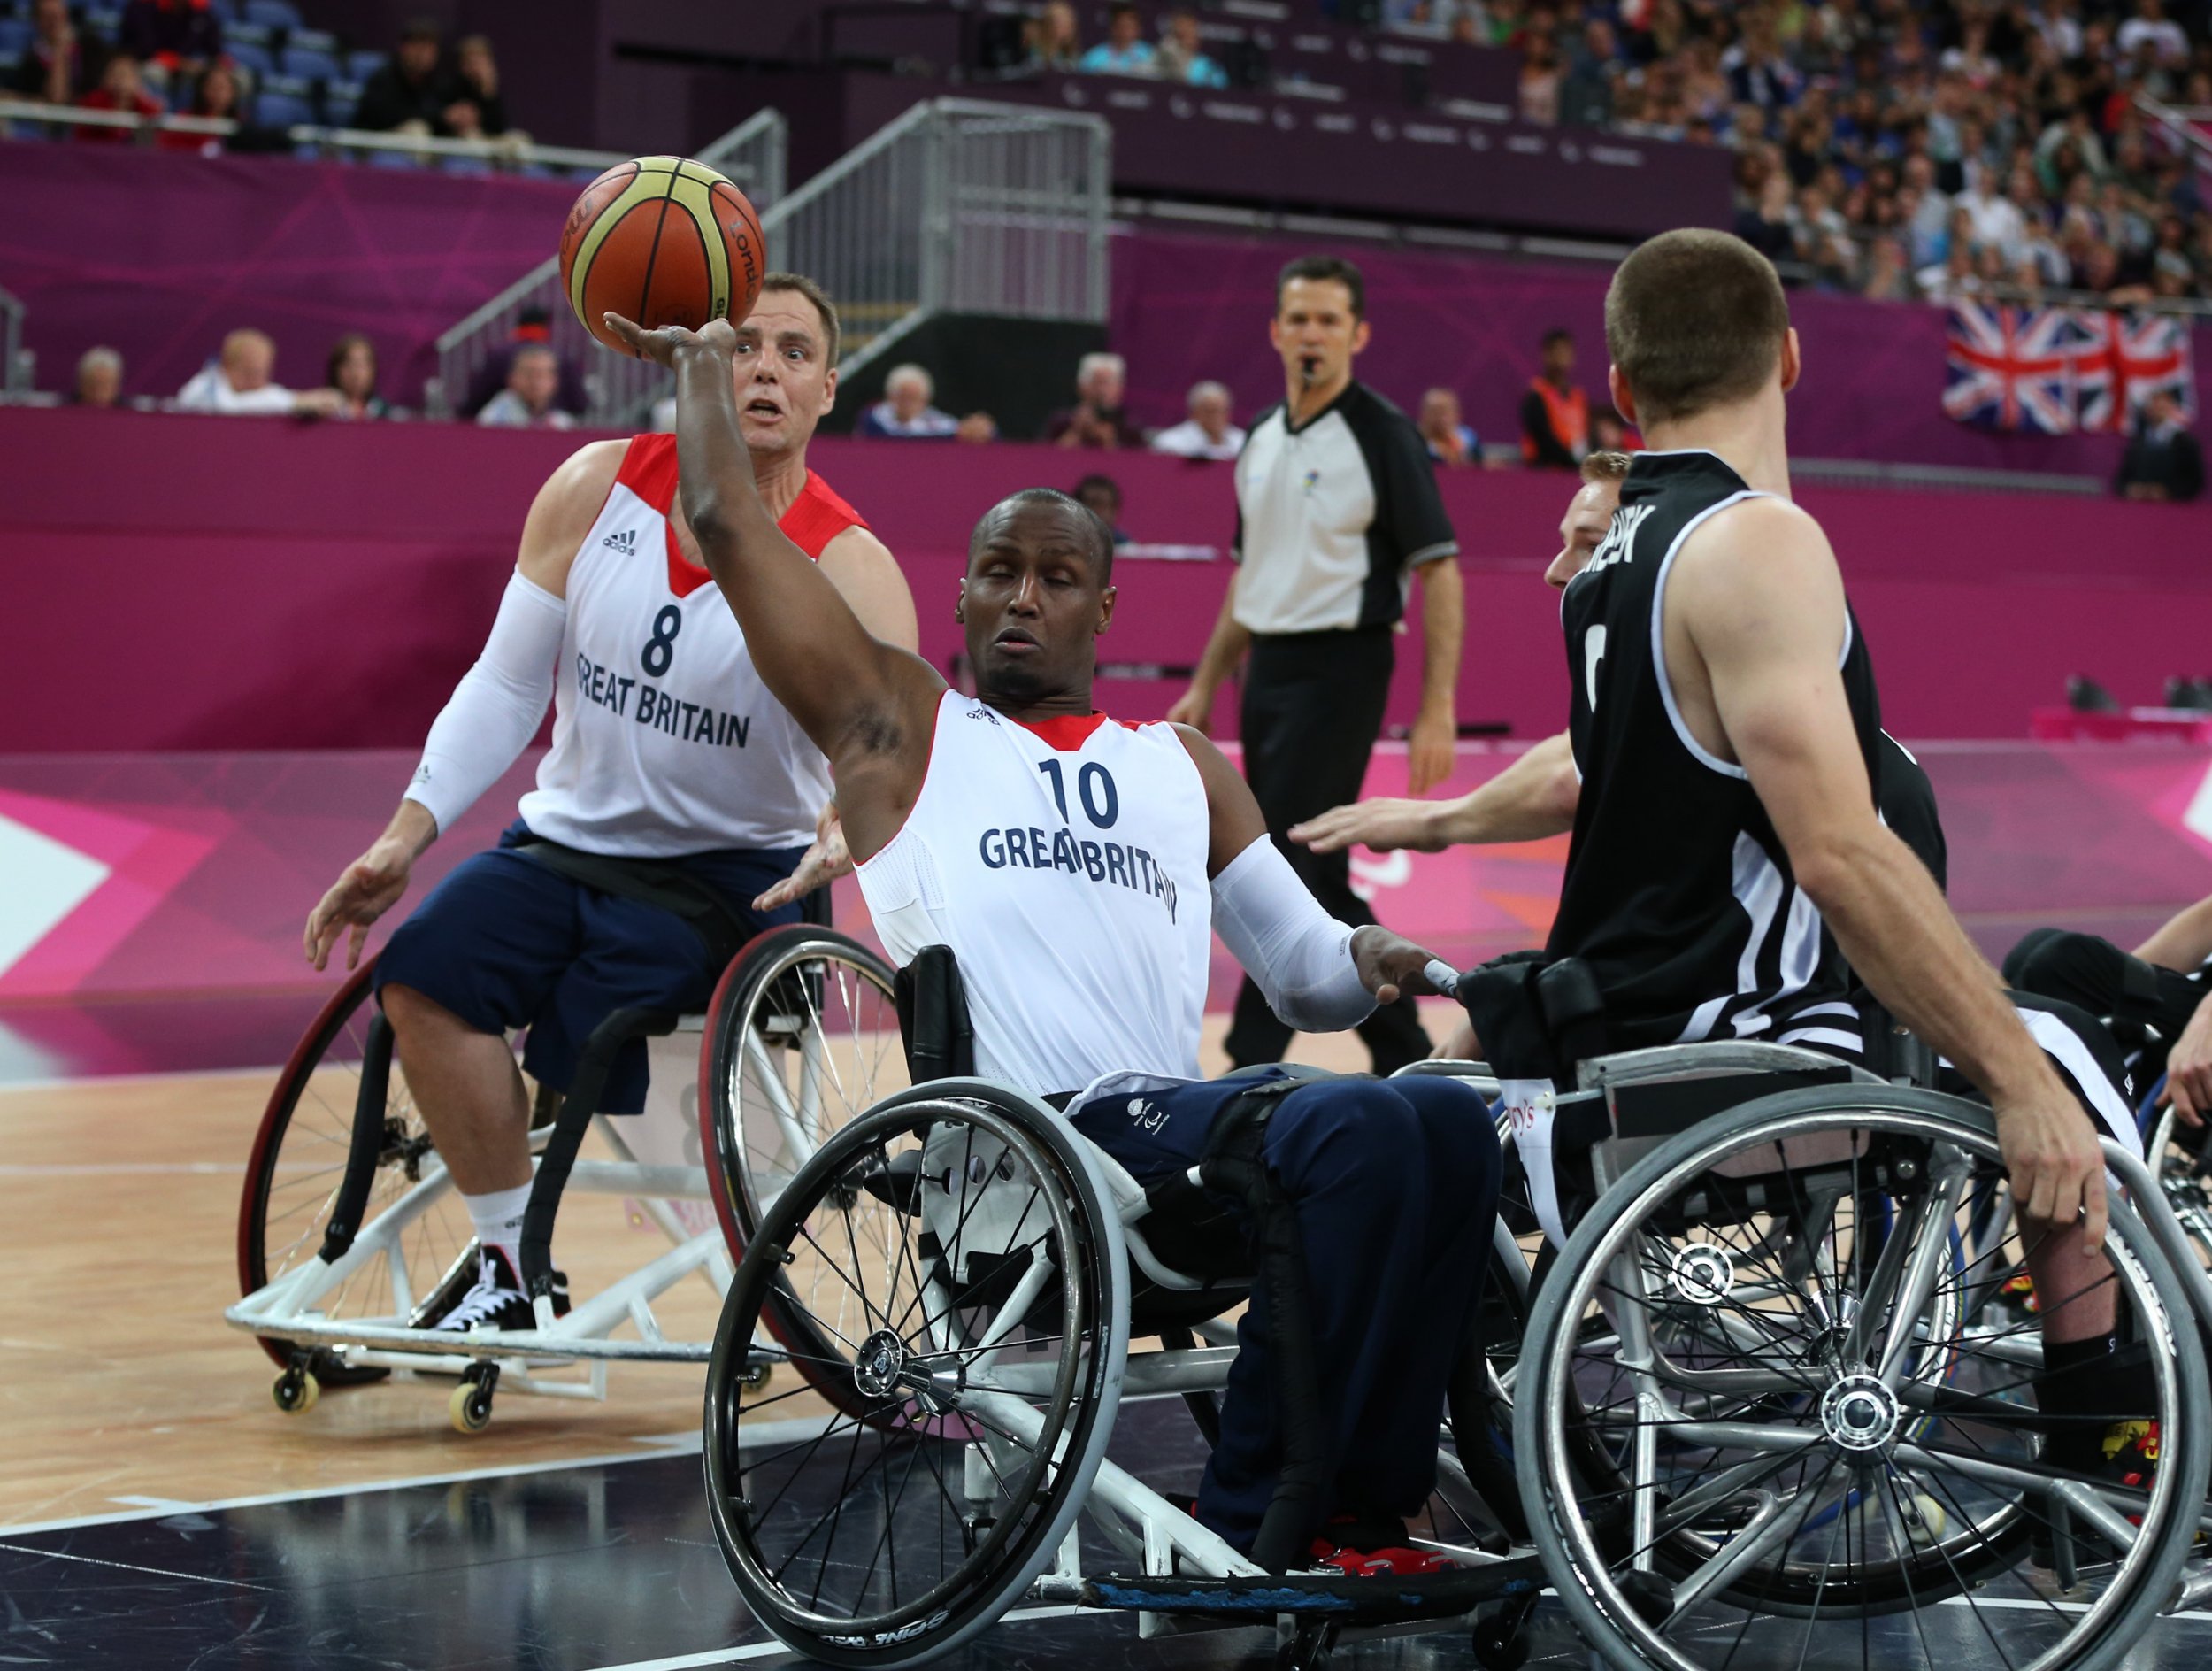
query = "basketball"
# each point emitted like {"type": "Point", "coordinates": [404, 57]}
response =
{"type": "Point", "coordinates": [662, 241]}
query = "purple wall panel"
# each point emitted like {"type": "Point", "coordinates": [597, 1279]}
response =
{"type": "Point", "coordinates": [159, 254]}
{"type": "Point", "coordinates": [263, 584]}
{"type": "Point", "coordinates": [1188, 306]}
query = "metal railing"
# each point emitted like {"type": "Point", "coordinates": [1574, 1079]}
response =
{"type": "Point", "coordinates": [494, 155]}
{"type": "Point", "coordinates": [15, 371]}
{"type": "Point", "coordinates": [959, 205]}
{"type": "Point", "coordinates": [752, 155]}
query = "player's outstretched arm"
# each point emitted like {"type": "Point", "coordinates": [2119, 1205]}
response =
{"type": "Point", "coordinates": [859, 699]}
{"type": "Point", "coordinates": [2184, 940]}
{"type": "Point", "coordinates": [1757, 595]}
{"type": "Point", "coordinates": [1532, 798]}
{"type": "Point", "coordinates": [493, 712]}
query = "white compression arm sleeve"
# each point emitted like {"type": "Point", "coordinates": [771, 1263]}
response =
{"type": "Point", "coordinates": [495, 708]}
{"type": "Point", "coordinates": [1299, 955]}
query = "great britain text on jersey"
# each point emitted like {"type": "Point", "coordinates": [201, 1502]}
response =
{"type": "Point", "coordinates": [688, 721]}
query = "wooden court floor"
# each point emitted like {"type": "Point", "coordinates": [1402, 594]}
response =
{"type": "Point", "coordinates": [122, 1387]}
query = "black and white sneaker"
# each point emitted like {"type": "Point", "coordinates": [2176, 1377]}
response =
{"type": "Point", "coordinates": [495, 1300]}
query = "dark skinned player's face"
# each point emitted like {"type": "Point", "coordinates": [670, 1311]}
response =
{"type": "Point", "coordinates": [1034, 605]}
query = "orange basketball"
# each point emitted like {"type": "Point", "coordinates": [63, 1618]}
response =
{"type": "Point", "coordinates": [662, 241]}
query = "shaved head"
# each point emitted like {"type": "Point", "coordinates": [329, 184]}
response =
{"type": "Point", "coordinates": [1006, 509]}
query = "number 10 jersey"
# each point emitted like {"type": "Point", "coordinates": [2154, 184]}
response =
{"type": "Point", "coordinates": [665, 740]}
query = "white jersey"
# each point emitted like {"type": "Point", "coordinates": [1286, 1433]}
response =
{"type": "Point", "coordinates": [1065, 865]}
{"type": "Point", "coordinates": [665, 740]}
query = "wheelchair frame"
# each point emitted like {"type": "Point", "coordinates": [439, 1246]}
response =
{"type": "Point", "coordinates": [1495, 1592]}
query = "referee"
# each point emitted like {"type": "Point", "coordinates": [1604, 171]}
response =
{"type": "Point", "coordinates": [1336, 507]}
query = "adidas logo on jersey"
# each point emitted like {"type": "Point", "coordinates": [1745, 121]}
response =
{"type": "Point", "coordinates": [625, 542]}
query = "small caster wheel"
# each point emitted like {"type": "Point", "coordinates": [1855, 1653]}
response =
{"type": "Point", "coordinates": [471, 1405]}
{"type": "Point", "coordinates": [296, 1391]}
{"type": "Point", "coordinates": [1499, 1639]}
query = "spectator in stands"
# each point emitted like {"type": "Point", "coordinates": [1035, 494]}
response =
{"type": "Point", "coordinates": [905, 413]}
{"type": "Point", "coordinates": [1539, 80]}
{"type": "Point", "coordinates": [1207, 432]}
{"type": "Point", "coordinates": [410, 93]}
{"type": "Point", "coordinates": [1101, 496]}
{"type": "Point", "coordinates": [1124, 51]}
{"type": "Point", "coordinates": [352, 374]}
{"type": "Point", "coordinates": [1889, 276]}
{"type": "Point", "coordinates": [1451, 442]}
{"type": "Point", "coordinates": [1096, 420]}
{"type": "Point", "coordinates": [1555, 414]}
{"type": "Point", "coordinates": [99, 379]}
{"type": "Point", "coordinates": [178, 34]}
{"type": "Point", "coordinates": [58, 64]}
{"type": "Point", "coordinates": [1053, 41]}
{"type": "Point", "coordinates": [120, 88]}
{"type": "Point", "coordinates": [476, 82]}
{"type": "Point", "coordinates": [2151, 28]}
{"type": "Point", "coordinates": [2162, 460]}
{"type": "Point", "coordinates": [533, 378]}
{"type": "Point", "coordinates": [1609, 433]}
{"type": "Point", "coordinates": [216, 95]}
{"type": "Point", "coordinates": [1770, 227]}
{"type": "Point", "coordinates": [976, 430]}
{"type": "Point", "coordinates": [242, 382]}
{"type": "Point", "coordinates": [1182, 56]}
{"type": "Point", "coordinates": [533, 325]}
{"type": "Point", "coordinates": [1585, 94]}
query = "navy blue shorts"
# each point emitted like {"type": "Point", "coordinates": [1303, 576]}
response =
{"type": "Point", "coordinates": [506, 942]}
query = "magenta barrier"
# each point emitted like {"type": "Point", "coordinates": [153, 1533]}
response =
{"type": "Point", "coordinates": [157, 922]}
{"type": "Point", "coordinates": [190, 583]}
{"type": "Point", "coordinates": [159, 253]}
{"type": "Point", "coordinates": [1192, 305]}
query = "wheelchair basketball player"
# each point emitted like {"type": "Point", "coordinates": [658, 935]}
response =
{"type": "Point", "coordinates": [677, 793]}
{"type": "Point", "coordinates": [1077, 868]}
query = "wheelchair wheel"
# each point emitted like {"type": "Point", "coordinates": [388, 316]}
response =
{"type": "Point", "coordinates": [958, 1248]}
{"type": "Point", "coordinates": [1805, 1431]}
{"type": "Point", "coordinates": [2183, 1161]}
{"type": "Point", "coordinates": [299, 1158]}
{"type": "Point", "coordinates": [802, 1038]}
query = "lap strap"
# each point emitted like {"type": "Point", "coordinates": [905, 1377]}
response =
{"type": "Point", "coordinates": [650, 881]}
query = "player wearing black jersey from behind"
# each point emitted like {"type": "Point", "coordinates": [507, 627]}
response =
{"type": "Point", "coordinates": [1726, 725]}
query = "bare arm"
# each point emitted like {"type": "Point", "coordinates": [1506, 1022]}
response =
{"type": "Point", "coordinates": [1443, 624]}
{"type": "Point", "coordinates": [1755, 610]}
{"type": "Point", "coordinates": [1532, 798]}
{"type": "Point", "coordinates": [2183, 942]}
{"type": "Point", "coordinates": [867, 705]}
{"type": "Point", "coordinates": [870, 581]}
{"type": "Point", "coordinates": [559, 518]}
{"type": "Point", "coordinates": [1223, 651]}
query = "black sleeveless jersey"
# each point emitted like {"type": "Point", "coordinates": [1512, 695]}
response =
{"type": "Point", "coordinates": [1678, 893]}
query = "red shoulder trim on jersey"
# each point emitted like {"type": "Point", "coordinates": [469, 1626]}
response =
{"type": "Point", "coordinates": [818, 516]}
{"type": "Point", "coordinates": [1066, 732]}
{"type": "Point", "coordinates": [648, 470]}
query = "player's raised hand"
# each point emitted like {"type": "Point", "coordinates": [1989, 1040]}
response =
{"type": "Point", "coordinates": [825, 861]}
{"type": "Point", "coordinates": [365, 890]}
{"type": "Point", "coordinates": [661, 346]}
{"type": "Point", "coordinates": [1383, 826]}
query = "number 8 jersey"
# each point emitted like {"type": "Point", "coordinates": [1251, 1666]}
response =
{"type": "Point", "coordinates": [1064, 863]}
{"type": "Point", "coordinates": [665, 740]}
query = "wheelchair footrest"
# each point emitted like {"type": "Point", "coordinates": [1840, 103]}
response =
{"type": "Point", "coordinates": [1384, 1600]}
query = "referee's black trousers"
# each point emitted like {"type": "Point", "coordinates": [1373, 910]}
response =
{"type": "Point", "coordinates": [1313, 707]}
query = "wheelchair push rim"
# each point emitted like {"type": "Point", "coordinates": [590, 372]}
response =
{"type": "Point", "coordinates": [296, 1163]}
{"type": "Point", "coordinates": [981, 1402]}
{"type": "Point", "coordinates": [1874, 1422]}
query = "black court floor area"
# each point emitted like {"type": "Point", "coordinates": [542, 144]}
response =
{"type": "Point", "coordinates": [610, 1565]}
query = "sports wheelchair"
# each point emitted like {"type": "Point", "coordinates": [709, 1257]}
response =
{"type": "Point", "coordinates": [1759, 1403]}
{"type": "Point", "coordinates": [350, 1233]}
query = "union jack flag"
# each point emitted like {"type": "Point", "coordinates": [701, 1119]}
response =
{"type": "Point", "coordinates": [2013, 368]}
{"type": "Point", "coordinates": [2129, 358]}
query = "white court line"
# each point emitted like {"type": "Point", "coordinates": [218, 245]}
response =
{"type": "Point", "coordinates": [764, 1650]}
{"type": "Point", "coordinates": [663, 1447]}
{"type": "Point", "coordinates": [132, 1566]}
